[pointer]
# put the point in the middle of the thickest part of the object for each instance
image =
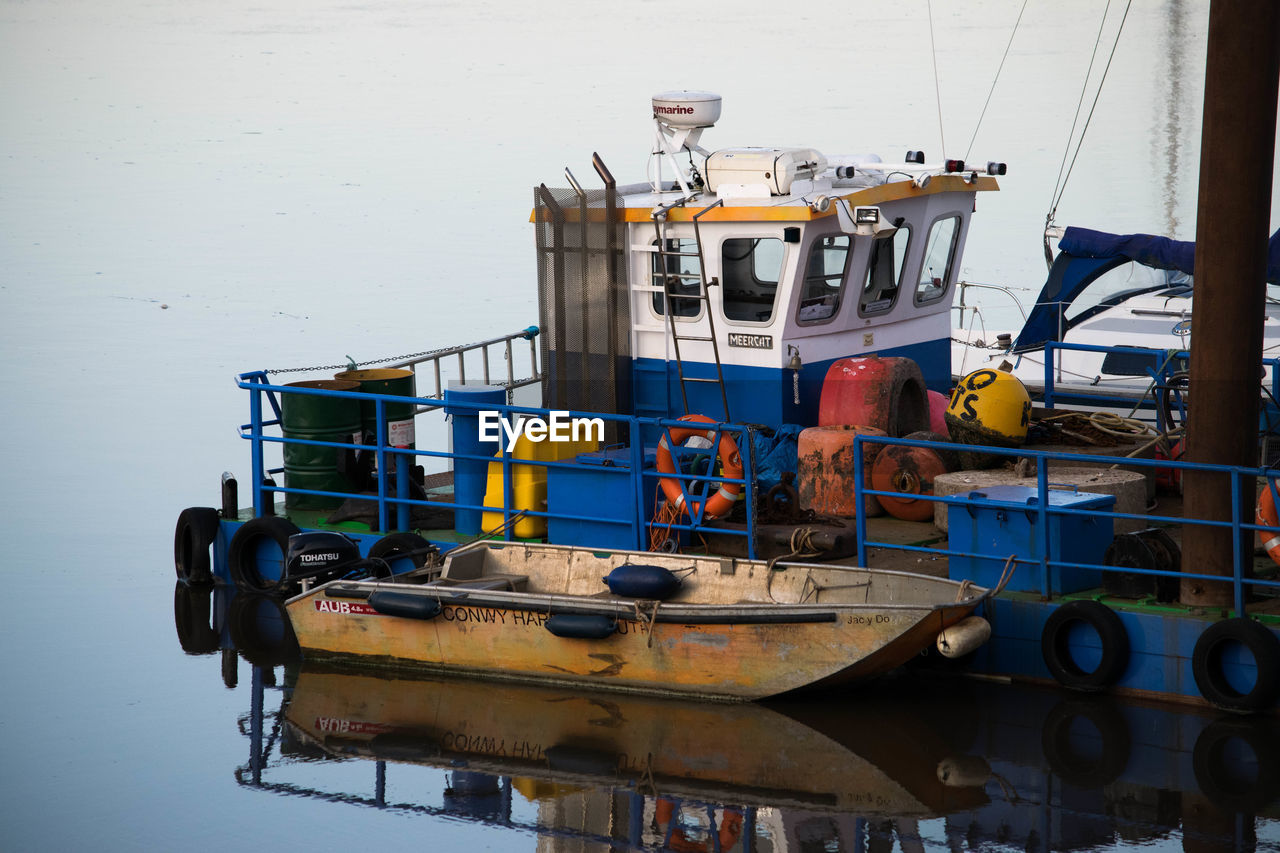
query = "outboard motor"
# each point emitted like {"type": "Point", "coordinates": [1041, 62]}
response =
{"type": "Point", "coordinates": [321, 555]}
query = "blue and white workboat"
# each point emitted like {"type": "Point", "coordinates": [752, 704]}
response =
{"type": "Point", "coordinates": [689, 327]}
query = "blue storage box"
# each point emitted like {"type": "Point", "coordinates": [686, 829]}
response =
{"type": "Point", "coordinates": [598, 486]}
{"type": "Point", "coordinates": [1002, 520]}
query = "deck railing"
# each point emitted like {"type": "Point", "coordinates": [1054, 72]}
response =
{"type": "Point", "coordinates": [394, 502]}
{"type": "Point", "coordinates": [1168, 395]}
{"type": "Point", "coordinates": [393, 494]}
{"type": "Point", "coordinates": [440, 363]}
{"type": "Point", "coordinates": [1241, 524]}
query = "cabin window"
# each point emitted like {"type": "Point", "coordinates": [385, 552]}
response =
{"type": "Point", "coordinates": [884, 272]}
{"type": "Point", "coordinates": [823, 279]}
{"type": "Point", "coordinates": [678, 271]}
{"type": "Point", "coordinates": [939, 255]}
{"type": "Point", "coordinates": [749, 271]}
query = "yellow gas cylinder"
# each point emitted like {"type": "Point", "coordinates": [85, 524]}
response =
{"type": "Point", "coordinates": [528, 482]}
{"type": "Point", "coordinates": [989, 407]}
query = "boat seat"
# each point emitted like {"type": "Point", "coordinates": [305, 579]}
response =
{"type": "Point", "coordinates": [513, 583]}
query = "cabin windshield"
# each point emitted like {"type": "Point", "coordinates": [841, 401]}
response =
{"type": "Point", "coordinates": [750, 268]}
{"type": "Point", "coordinates": [939, 255]}
{"type": "Point", "coordinates": [884, 272]}
{"type": "Point", "coordinates": [824, 279]}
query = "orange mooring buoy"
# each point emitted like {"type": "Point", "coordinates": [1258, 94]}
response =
{"type": "Point", "coordinates": [825, 470]}
{"type": "Point", "coordinates": [910, 472]}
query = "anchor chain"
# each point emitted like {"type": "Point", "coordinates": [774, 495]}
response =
{"type": "Point", "coordinates": [351, 364]}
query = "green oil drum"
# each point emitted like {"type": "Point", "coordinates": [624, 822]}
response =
{"type": "Point", "coordinates": [316, 418]}
{"type": "Point", "coordinates": [399, 416]}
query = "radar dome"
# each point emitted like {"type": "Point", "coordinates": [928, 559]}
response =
{"type": "Point", "coordinates": [686, 109]}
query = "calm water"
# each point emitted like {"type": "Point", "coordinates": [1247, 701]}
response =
{"type": "Point", "coordinates": [190, 191]}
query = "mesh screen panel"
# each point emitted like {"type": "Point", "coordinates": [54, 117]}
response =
{"type": "Point", "coordinates": [583, 305]}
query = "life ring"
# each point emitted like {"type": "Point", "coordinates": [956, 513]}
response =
{"type": "Point", "coordinates": [728, 833]}
{"type": "Point", "coordinates": [1055, 645]}
{"type": "Point", "coordinates": [1210, 670]}
{"type": "Point", "coordinates": [195, 531]}
{"type": "Point", "coordinates": [1265, 514]}
{"type": "Point", "coordinates": [264, 539]}
{"type": "Point", "coordinates": [721, 502]}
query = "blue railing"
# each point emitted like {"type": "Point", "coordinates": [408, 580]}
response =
{"type": "Point", "coordinates": [1161, 379]}
{"type": "Point", "coordinates": [1241, 524]}
{"type": "Point", "coordinates": [395, 503]}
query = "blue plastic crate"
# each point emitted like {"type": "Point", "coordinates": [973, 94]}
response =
{"type": "Point", "coordinates": [1002, 520]}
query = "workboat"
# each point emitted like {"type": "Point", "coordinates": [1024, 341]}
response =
{"type": "Point", "coordinates": [722, 350]}
{"type": "Point", "coordinates": [713, 627]}
{"type": "Point", "coordinates": [1111, 326]}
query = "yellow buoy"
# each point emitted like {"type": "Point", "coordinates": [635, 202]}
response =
{"type": "Point", "coordinates": [990, 407]}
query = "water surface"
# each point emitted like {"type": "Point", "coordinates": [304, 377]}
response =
{"type": "Point", "coordinates": [195, 190]}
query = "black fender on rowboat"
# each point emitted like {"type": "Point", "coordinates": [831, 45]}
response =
{"type": "Point", "coordinates": [581, 626]}
{"type": "Point", "coordinates": [634, 580]}
{"type": "Point", "coordinates": [391, 603]}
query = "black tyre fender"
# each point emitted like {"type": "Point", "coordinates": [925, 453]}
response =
{"type": "Point", "coordinates": [193, 535]}
{"type": "Point", "coordinates": [1068, 747]}
{"type": "Point", "coordinates": [192, 618]}
{"type": "Point", "coordinates": [1207, 665]}
{"type": "Point", "coordinates": [1226, 776]}
{"type": "Point", "coordinates": [395, 547]}
{"type": "Point", "coordinates": [242, 556]}
{"type": "Point", "coordinates": [1055, 646]}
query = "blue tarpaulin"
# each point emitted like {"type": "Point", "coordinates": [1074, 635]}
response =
{"type": "Point", "coordinates": [1086, 255]}
{"type": "Point", "coordinates": [1158, 252]}
{"type": "Point", "coordinates": [777, 456]}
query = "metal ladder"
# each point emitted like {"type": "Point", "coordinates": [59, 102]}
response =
{"type": "Point", "coordinates": [672, 279]}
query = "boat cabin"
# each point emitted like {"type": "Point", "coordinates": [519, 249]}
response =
{"type": "Point", "coordinates": [728, 283]}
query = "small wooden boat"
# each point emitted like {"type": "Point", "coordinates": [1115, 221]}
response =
{"type": "Point", "coordinates": [725, 628]}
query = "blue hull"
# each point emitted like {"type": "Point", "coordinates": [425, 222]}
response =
{"type": "Point", "coordinates": [761, 395]}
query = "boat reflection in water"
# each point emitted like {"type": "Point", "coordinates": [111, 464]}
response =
{"type": "Point", "coordinates": [937, 765]}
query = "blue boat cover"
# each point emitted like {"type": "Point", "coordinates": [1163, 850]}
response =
{"type": "Point", "coordinates": [1158, 252]}
{"type": "Point", "coordinates": [1085, 255]}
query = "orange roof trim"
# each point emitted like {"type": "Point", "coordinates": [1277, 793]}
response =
{"type": "Point", "coordinates": [797, 212]}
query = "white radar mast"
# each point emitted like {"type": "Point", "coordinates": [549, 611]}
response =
{"type": "Point", "coordinates": [679, 118]}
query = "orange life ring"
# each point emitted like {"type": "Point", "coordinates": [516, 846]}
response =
{"type": "Point", "coordinates": [1266, 515]}
{"type": "Point", "coordinates": [728, 833]}
{"type": "Point", "coordinates": [721, 502]}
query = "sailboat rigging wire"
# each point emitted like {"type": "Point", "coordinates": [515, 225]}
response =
{"type": "Point", "coordinates": [937, 88]}
{"type": "Point", "coordinates": [1084, 87]}
{"type": "Point", "coordinates": [994, 81]}
{"type": "Point", "coordinates": [1061, 186]}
